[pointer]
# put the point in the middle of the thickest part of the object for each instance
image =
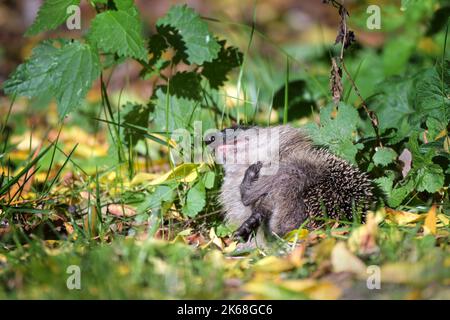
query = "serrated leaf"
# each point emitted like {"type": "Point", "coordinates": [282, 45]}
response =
{"type": "Point", "coordinates": [200, 44]}
{"type": "Point", "coordinates": [33, 78]}
{"type": "Point", "coordinates": [133, 114]}
{"type": "Point", "coordinates": [384, 156]}
{"type": "Point", "coordinates": [181, 111]}
{"type": "Point", "coordinates": [217, 70]}
{"type": "Point", "coordinates": [429, 178]}
{"type": "Point", "coordinates": [119, 32]}
{"type": "Point", "coordinates": [65, 73]}
{"type": "Point", "coordinates": [336, 133]}
{"type": "Point", "coordinates": [186, 85]}
{"type": "Point", "coordinates": [399, 194]}
{"type": "Point", "coordinates": [124, 4]}
{"type": "Point", "coordinates": [78, 67]}
{"type": "Point", "coordinates": [51, 14]}
{"type": "Point", "coordinates": [195, 200]}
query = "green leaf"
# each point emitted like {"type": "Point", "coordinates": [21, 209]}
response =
{"type": "Point", "coordinates": [399, 194]}
{"type": "Point", "coordinates": [33, 78]}
{"type": "Point", "coordinates": [384, 156]}
{"type": "Point", "coordinates": [199, 43]}
{"type": "Point", "coordinates": [65, 73]}
{"type": "Point", "coordinates": [337, 133]}
{"type": "Point", "coordinates": [195, 200]}
{"type": "Point", "coordinates": [162, 193]}
{"type": "Point", "coordinates": [431, 92]}
{"type": "Point", "coordinates": [427, 175]}
{"type": "Point", "coordinates": [51, 14]}
{"type": "Point", "coordinates": [124, 4]}
{"type": "Point", "coordinates": [429, 178]}
{"type": "Point", "coordinates": [133, 114]}
{"type": "Point", "coordinates": [181, 111]}
{"type": "Point", "coordinates": [217, 70]}
{"type": "Point", "coordinates": [208, 179]}
{"type": "Point", "coordinates": [119, 32]}
{"type": "Point", "coordinates": [186, 85]}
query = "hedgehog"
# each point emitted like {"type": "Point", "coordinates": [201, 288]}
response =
{"type": "Point", "coordinates": [277, 180]}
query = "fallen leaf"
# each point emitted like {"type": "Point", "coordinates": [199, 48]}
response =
{"type": "Point", "coordinates": [317, 290]}
{"type": "Point", "coordinates": [273, 264]}
{"type": "Point", "coordinates": [121, 210]}
{"type": "Point", "coordinates": [363, 239]}
{"type": "Point", "coordinates": [342, 260]}
{"type": "Point", "coordinates": [296, 257]}
{"type": "Point", "coordinates": [402, 218]}
{"type": "Point", "coordinates": [429, 226]}
{"type": "Point", "coordinates": [403, 272]}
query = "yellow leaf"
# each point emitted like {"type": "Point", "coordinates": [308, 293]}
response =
{"type": "Point", "coordinates": [297, 234]}
{"type": "Point", "coordinates": [430, 222]}
{"type": "Point", "coordinates": [186, 172]}
{"type": "Point", "coordinates": [363, 239]}
{"type": "Point", "coordinates": [402, 272]}
{"type": "Point", "coordinates": [402, 218]}
{"type": "Point", "coordinates": [343, 260]}
{"type": "Point", "coordinates": [318, 290]}
{"type": "Point", "coordinates": [273, 264]}
{"type": "Point", "coordinates": [142, 177]}
{"type": "Point", "coordinates": [444, 219]}
{"type": "Point", "coordinates": [231, 247]}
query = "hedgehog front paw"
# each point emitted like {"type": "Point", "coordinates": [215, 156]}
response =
{"type": "Point", "coordinates": [243, 233]}
{"type": "Point", "coordinates": [252, 172]}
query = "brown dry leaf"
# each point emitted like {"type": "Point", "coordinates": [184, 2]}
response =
{"type": "Point", "coordinates": [430, 222]}
{"type": "Point", "coordinates": [363, 239]}
{"type": "Point", "coordinates": [273, 264]}
{"type": "Point", "coordinates": [296, 257]}
{"type": "Point", "coordinates": [69, 227]}
{"type": "Point", "coordinates": [121, 210]}
{"type": "Point", "coordinates": [402, 218]}
{"type": "Point", "coordinates": [336, 81]}
{"type": "Point", "coordinates": [342, 260]}
{"type": "Point", "coordinates": [213, 239]}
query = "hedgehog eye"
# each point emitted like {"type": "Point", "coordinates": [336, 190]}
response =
{"type": "Point", "coordinates": [210, 139]}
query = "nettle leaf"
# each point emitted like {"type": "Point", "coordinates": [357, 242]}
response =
{"type": "Point", "coordinates": [119, 32]}
{"type": "Point", "coordinates": [427, 175]}
{"type": "Point", "coordinates": [384, 156]}
{"type": "Point", "coordinates": [136, 115]}
{"type": "Point", "coordinates": [33, 78]}
{"type": "Point", "coordinates": [337, 133]}
{"type": "Point", "coordinates": [431, 92]}
{"type": "Point", "coordinates": [195, 200]}
{"type": "Point", "coordinates": [181, 111]}
{"type": "Point", "coordinates": [429, 178]}
{"type": "Point", "coordinates": [406, 103]}
{"type": "Point", "coordinates": [394, 106]}
{"type": "Point", "coordinates": [66, 73]}
{"type": "Point", "coordinates": [199, 43]}
{"type": "Point", "coordinates": [51, 14]}
{"type": "Point", "coordinates": [124, 4]}
{"type": "Point", "coordinates": [217, 70]}
{"type": "Point", "coordinates": [186, 85]}
{"type": "Point", "coordinates": [399, 194]}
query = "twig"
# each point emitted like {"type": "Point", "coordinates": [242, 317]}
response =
{"type": "Point", "coordinates": [345, 35]}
